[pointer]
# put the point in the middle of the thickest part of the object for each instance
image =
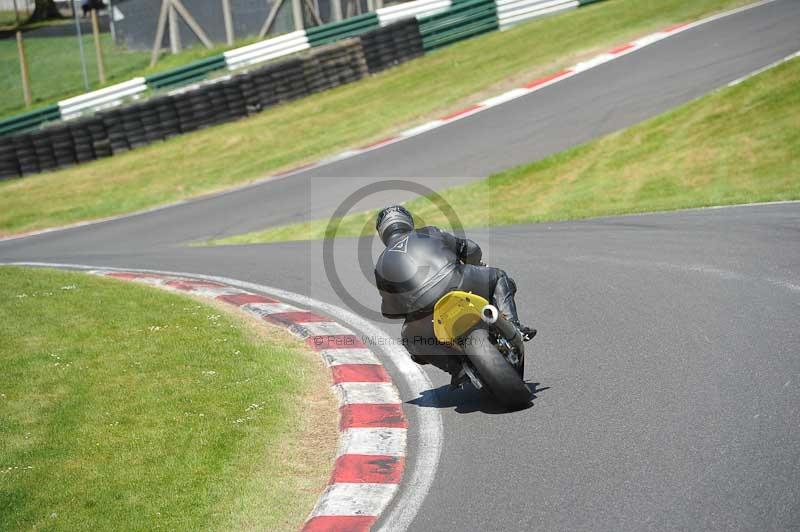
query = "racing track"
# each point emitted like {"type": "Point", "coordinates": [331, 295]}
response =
{"type": "Point", "coordinates": [667, 365]}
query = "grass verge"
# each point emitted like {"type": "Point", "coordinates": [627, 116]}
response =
{"type": "Point", "coordinates": [736, 145]}
{"type": "Point", "coordinates": [126, 407]}
{"type": "Point", "coordinates": [238, 152]}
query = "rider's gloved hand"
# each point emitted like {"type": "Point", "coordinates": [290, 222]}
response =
{"type": "Point", "coordinates": [469, 252]}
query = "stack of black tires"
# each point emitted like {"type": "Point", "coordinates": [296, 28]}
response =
{"type": "Point", "coordinates": [391, 45]}
{"type": "Point", "coordinates": [334, 65]}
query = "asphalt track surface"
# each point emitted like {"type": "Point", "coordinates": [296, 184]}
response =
{"type": "Point", "coordinates": [667, 369]}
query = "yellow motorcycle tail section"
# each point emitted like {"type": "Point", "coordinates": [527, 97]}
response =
{"type": "Point", "coordinates": [455, 314]}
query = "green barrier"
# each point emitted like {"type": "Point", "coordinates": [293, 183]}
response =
{"type": "Point", "coordinates": [29, 120]}
{"type": "Point", "coordinates": [186, 74]}
{"type": "Point", "coordinates": [463, 20]}
{"type": "Point", "coordinates": [328, 33]}
{"type": "Point", "coordinates": [582, 3]}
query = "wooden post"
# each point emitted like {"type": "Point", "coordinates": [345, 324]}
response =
{"type": "Point", "coordinates": [23, 68]}
{"type": "Point", "coordinates": [312, 11]}
{"type": "Point", "coordinates": [273, 13]}
{"type": "Point", "coordinates": [226, 14]}
{"type": "Point", "coordinates": [297, 14]}
{"type": "Point", "coordinates": [79, 34]}
{"type": "Point", "coordinates": [162, 23]}
{"type": "Point", "coordinates": [192, 23]}
{"type": "Point", "coordinates": [175, 44]}
{"type": "Point", "coordinates": [101, 67]}
{"type": "Point", "coordinates": [336, 9]}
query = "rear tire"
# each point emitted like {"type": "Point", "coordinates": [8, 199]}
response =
{"type": "Point", "coordinates": [498, 375]}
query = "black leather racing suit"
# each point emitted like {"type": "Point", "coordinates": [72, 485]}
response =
{"type": "Point", "coordinates": [417, 268]}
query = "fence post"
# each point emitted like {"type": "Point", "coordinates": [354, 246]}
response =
{"type": "Point", "coordinates": [297, 14]}
{"type": "Point", "coordinates": [101, 67]}
{"type": "Point", "coordinates": [336, 10]}
{"type": "Point", "coordinates": [175, 44]}
{"type": "Point", "coordinates": [23, 68]}
{"type": "Point", "coordinates": [226, 14]}
{"type": "Point", "coordinates": [80, 45]}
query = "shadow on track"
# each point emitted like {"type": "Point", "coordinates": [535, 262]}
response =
{"type": "Point", "coordinates": [468, 400]}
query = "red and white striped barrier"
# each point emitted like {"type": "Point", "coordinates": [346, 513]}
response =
{"type": "Point", "coordinates": [372, 427]}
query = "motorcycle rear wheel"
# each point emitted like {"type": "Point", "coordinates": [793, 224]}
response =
{"type": "Point", "coordinates": [498, 375]}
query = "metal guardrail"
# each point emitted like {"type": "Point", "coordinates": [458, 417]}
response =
{"type": "Point", "coordinates": [351, 27]}
{"type": "Point", "coordinates": [417, 8]}
{"type": "Point", "coordinates": [31, 120]}
{"type": "Point", "coordinates": [511, 12]}
{"type": "Point", "coordinates": [186, 74]}
{"type": "Point", "coordinates": [462, 21]}
{"type": "Point", "coordinates": [101, 99]}
{"type": "Point", "coordinates": [267, 50]}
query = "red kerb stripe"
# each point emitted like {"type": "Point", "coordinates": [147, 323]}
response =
{"type": "Point", "coordinates": [620, 49]}
{"type": "Point", "coordinates": [359, 373]}
{"type": "Point", "coordinates": [461, 112]}
{"type": "Point", "coordinates": [290, 318]}
{"type": "Point", "coordinates": [541, 81]}
{"type": "Point", "coordinates": [185, 284]}
{"type": "Point", "coordinates": [125, 275]}
{"type": "Point", "coordinates": [340, 523]}
{"type": "Point", "coordinates": [243, 299]}
{"type": "Point", "coordinates": [675, 27]}
{"type": "Point", "coordinates": [355, 416]}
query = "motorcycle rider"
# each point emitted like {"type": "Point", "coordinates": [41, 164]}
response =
{"type": "Point", "coordinates": [418, 267]}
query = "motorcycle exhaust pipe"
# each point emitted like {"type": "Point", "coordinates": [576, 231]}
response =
{"type": "Point", "coordinates": [491, 316]}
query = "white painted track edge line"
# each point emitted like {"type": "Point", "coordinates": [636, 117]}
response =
{"type": "Point", "coordinates": [421, 468]}
{"type": "Point", "coordinates": [357, 152]}
{"type": "Point", "coordinates": [763, 69]}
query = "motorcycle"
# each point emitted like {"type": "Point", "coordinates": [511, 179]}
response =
{"type": "Point", "coordinates": [489, 347]}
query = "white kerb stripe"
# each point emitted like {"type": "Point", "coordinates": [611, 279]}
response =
{"type": "Point", "coordinates": [336, 357]}
{"type": "Point", "coordinates": [650, 39]}
{"type": "Point", "coordinates": [373, 441]}
{"type": "Point", "coordinates": [266, 309]}
{"type": "Point", "coordinates": [354, 499]}
{"type": "Point", "coordinates": [593, 62]}
{"type": "Point", "coordinates": [209, 291]}
{"type": "Point", "coordinates": [324, 328]}
{"type": "Point", "coordinates": [367, 393]}
{"type": "Point", "coordinates": [505, 97]}
{"type": "Point", "coordinates": [421, 129]}
{"type": "Point", "coordinates": [154, 281]}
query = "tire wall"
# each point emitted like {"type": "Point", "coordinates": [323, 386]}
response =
{"type": "Point", "coordinates": [122, 129]}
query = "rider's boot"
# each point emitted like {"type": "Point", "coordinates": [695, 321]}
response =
{"type": "Point", "coordinates": [528, 333]}
{"type": "Point", "coordinates": [503, 297]}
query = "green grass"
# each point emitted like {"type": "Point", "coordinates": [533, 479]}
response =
{"type": "Point", "coordinates": [55, 67]}
{"type": "Point", "coordinates": [737, 145]}
{"type": "Point", "coordinates": [123, 407]}
{"type": "Point", "coordinates": [238, 152]}
{"type": "Point", "coordinates": [8, 19]}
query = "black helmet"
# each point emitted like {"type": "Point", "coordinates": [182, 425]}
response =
{"type": "Point", "coordinates": [393, 219]}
